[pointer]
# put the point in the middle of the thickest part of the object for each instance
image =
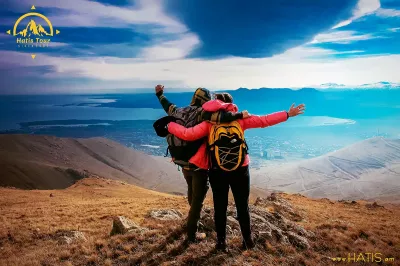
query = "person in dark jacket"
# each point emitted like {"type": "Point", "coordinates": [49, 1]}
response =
{"type": "Point", "coordinates": [197, 178]}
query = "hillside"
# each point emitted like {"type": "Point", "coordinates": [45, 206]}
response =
{"type": "Point", "coordinates": [45, 162]}
{"type": "Point", "coordinates": [35, 225]}
{"type": "Point", "coordinates": [366, 170]}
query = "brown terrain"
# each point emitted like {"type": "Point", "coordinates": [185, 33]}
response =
{"type": "Point", "coordinates": [46, 162]}
{"type": "Point", "coordinates": [86, 185]}
{"type": "Point", "coordinates": [33, 221]}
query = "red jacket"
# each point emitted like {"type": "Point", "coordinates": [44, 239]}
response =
{"type": "Point", "coordinates": [200, 159]}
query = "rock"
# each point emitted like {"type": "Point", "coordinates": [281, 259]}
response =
{"type": "Point", "coordinates": [122, 225]}
{"type": "Point", "coordinates": [257, 218]}
{"type": "Point", "coordinates": [207, 222]}
{"type": "Point", "coordinates": [69, 237]}
{"type": "Point", "coordinates": [353, 202]}
{"type": "Point", "coordinates": [272, 197]}
{"type": "Point", "coordinates": [229, 230]}
{"type": "Point", "coordinates": [298, 241]}
{"type": "Point", "coordinates": [373, 206]}
{"type": "Point", "coordinates": [231, 221]}
{"type": "Point", "coordinates": [264, 235]}
{"type": "Point", "coordinates": [166, 215]}
{"type": "Point", "coordinates": [302, 232]}
{"type": "Point", "coordinates": [207, 210]}
{"type": "Point", "coordinates": [279, 205]}
{"type": "Point", "coordinates": [51, 195]}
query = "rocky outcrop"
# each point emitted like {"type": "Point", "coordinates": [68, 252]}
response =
{"type": "Point", "coordinates": [373, 206]}
{"type": "Point", "coordinates": [278, 204]}
{"type": "Point", "coordinates": [69, 237]}
{"type": "Point", "coordinates": [122, 225]}
{"type": "Point", "coordinates": [273, 221]}
{"type": "Point", "coordinates": [166, 215]}
{"type": "Point", "coordinates": [276, 226]}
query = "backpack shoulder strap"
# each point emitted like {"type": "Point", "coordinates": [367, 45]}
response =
{"type": "Point", "coordinates": [237, 125]}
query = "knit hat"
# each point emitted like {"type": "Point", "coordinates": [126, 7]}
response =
{"type": "Point", "coordinates": [201, 96]}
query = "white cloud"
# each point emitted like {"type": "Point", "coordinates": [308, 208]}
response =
{"type": "Point", "coordinates": [343, 37]}
{"type": "Point", "coordinates": [363, 8]}
{"type": "Point", "coordinates": [385, 12]}
{"type": "Point", "coordinates": [95, 14]}
{"type": "Point", "coordinates": [290, 69]}
{"type": "Point", "coordinates": [394, 29]}
{"type": "Point", "coordinates": [165, 62]}
{"type": "Point", "coordinates": [342, 24]}
{"type": "Point", "coordinates": [175, 49]}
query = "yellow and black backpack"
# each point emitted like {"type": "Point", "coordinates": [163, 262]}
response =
{"type": "Point", "coordinates": [227, 146]}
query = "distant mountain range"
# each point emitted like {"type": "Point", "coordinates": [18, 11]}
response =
{"type": "Point", "coordinates": [33, 28]}
{"type": "Point", "coordinates": [339, 103]}
{"type": "Point", "coordinates": [377, 85]}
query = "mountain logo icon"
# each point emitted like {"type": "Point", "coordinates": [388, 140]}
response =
{"type": "Point", "coordinates": [33, 28]}
{"type": "Point", "coordinates": [33, 34]}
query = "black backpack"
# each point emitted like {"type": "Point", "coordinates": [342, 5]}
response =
{"type": "Point", "coordinates": [181, 151]}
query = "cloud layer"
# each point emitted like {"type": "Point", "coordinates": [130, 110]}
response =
{"type": "Point", "coordinates": [134, 44]}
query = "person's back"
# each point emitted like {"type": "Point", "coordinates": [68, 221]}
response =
{"type": "Point", "coordinates": [182, 150]}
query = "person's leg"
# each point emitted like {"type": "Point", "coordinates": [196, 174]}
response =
{"type": "Point", "coordinates": [240, 185]}
{"type": "Point", "coordinates": [220, 189]}
{"type": "Point", "coordinates": [199, 192]}
{"type": "Point", "coordinates": [188, 177]}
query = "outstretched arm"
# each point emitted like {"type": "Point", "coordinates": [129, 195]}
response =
{"type": "Point", "coordinates": [255, 121]}
{"type": "Point", "coordinates": [168, 107]}
{"type": "Point", "coordinates": [189, 134]}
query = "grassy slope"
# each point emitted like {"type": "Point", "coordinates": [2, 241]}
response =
{"type": "Point", "coordinates": [30, 219]}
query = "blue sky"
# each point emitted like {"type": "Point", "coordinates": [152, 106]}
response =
{"type": "Point", "coordinates": [123, 45]}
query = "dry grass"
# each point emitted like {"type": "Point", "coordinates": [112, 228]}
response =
{"type": "Point", "coordinates": [344, 228]}
{"type": "Point", "coordinates": [31, 218]}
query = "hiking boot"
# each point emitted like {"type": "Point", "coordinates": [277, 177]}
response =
{"type": "Point", "coordinates": [188, 241]}
{"type": "Point", "coordinates": [221, 246]}
{"type": "Point", "coordinates": [248, 244]}
{"type": "Point", "coordinates": [195, 239]}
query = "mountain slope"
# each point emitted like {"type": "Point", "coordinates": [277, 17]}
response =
{"type": "Point", "coordinates": [44, 162]}
{"type": "Point", "coordinates": [33, 220]}
{"type": "Point", "coordinates": [366, 170]}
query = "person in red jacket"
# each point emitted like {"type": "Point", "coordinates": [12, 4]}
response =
{"type": "Point", "coordinates": [238, 180]}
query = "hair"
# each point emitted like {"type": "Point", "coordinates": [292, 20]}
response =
{"type": "Point", "coordinates": [224, 97]}
{"type": "Point", "coordinates": [219, 96]}
{"type": "Point", "coordinates": [228, 98]}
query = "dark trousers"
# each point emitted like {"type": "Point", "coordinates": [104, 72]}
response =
{"type": "Point", "coordinates": [239, 182]}
{"type": "Point", "coordinates": [197, 182]}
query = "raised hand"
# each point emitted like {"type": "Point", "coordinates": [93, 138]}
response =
{"type": "Point", "coordinates": [298, 110]}
{"type": "Point", "coordinates": [159, 88]}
